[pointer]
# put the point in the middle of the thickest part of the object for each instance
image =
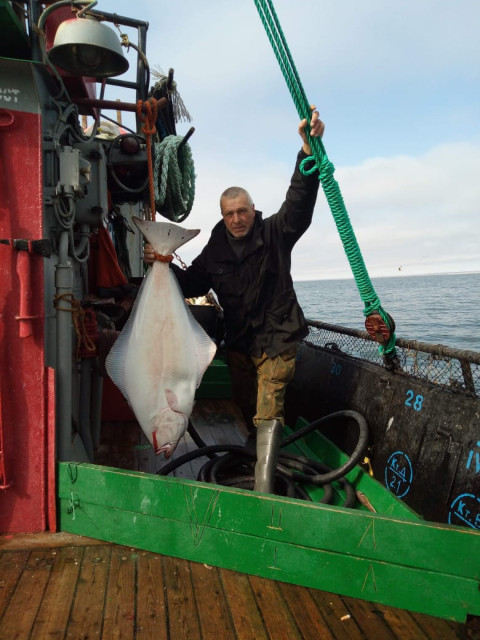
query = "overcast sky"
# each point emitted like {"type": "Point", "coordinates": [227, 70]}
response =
{"type": "Point", "coordinates": [398, 86]}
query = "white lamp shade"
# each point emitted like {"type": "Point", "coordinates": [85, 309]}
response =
{"type": "Point", "coordinates": [85, 47]}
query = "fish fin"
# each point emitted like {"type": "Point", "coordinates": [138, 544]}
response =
{"type": "Point", "coordinates": [205, 347]}
{"type": "Point", "coordinates": [165, 237]}
{"type": "Point", "coordinates": [172, 399]}
{"type": "Point", "coordinates": [115, 363]}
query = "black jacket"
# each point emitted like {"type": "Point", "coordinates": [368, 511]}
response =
{"type": "Point", "coordinates": [261, 312]}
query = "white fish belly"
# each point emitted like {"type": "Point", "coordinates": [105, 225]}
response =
{"type": "Point", "coordinates": [159, 359]}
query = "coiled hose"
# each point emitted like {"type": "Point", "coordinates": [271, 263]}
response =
{"type": "Point", "coordinates": [236, 467]}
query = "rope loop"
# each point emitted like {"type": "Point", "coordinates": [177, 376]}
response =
{"type": "Point", "coordinates": [308, 171]}
{"type": "Point", "coordinates": [160, 258]}
{"type": "Point", "coordinates": [84, 336]}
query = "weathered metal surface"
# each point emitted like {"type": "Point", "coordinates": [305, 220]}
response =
{"type": "Point", "coordinates": [23, 376]}
{"type": "Point", "coordinates": [424, 436]}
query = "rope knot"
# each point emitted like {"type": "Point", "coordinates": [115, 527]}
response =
{"type": "Point", "coordinates": [149, 119]}
{"type": "Point", "coordinates": [160, 258]}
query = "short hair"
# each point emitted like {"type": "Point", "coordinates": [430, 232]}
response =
{"type": "Point", "coordinates": [233, 192]}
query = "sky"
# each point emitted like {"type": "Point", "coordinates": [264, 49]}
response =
{"type": "Point", "coordinates": [398, 87]}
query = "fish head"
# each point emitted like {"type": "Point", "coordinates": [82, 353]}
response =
{"type": "Point", "coordinates": [167, 428]}
{"type": "Point", "coordinates": [165, 237]}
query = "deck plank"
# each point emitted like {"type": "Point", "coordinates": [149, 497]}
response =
{"type": "Point", "coordinates": [182, 609]}
{"type": "Point", "coordinates": [339, 619]}
{"type": "Point", "coordinates": [275, 613]}
{"type": "Point", "coordinates": [438, 628]}
{"type": "Point", "coordinates": [213, 613]}
{"type": "Point", "coordinates": [402, 624]}
{"type": "Point", "coordinates": [119, 614]}
{"type": "Point", "coordinates": [53, 614]}
{"type": "Point", "coordinates": [243, 607]}
{"type": "Point", "coordinates": [11, 567]}
{"type": "Point", "coordinates": [370, 618]}
{"type": "Point", "coordinates": [151, 599]}
{"type": "Point", "coordinates": [87, 610]}
{"type": "Point", "coordinates": [27, 597]}
{"type": "Point", "coordinates": [305, 612]}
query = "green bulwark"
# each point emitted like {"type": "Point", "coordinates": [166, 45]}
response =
{"type": "Point", "coordinates": [392, 557]}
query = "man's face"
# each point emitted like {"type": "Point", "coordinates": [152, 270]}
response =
{"type": "Point", "coordinates": [238, 215]}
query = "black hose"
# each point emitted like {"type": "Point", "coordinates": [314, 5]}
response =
{"type": "Point", "coordinates": [199, 453]}
{"type": "Point", "coordinates": [196, 436]}
{"type": "Point", "coordinates": [236, 467]}
{"type": "Point", "coordinates": [358, 451]}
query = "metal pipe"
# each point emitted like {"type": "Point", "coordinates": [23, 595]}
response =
{"type": "Point", "coordinates": [64, 290]}
{"type": "Point", "coordinates": [85, 403]}
{"type": "Point", "coordinates": [427, 347]}
{"type": "Point", "coordinates": [116, 104]}
{"type": "Point", "coordinates": [96, 403]}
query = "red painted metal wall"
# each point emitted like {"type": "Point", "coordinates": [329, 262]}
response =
{"type": "Point", "coordinates": [26, 387]}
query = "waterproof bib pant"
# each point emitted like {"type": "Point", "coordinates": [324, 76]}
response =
{"type": "Point", "coordinates": [258, 387]}
{"type": "Point", "coordinates": [259, 384]}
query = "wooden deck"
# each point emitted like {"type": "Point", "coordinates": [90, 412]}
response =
{"type": "Point", "coordinates": [63, 586]}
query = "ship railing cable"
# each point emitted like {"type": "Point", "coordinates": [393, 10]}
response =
{"type": "Point", "coordinates": [329, 184]}
{"type": "Point", "coordinates": [448, 367]}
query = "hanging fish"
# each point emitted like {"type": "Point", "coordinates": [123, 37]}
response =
{"type": "Point", "coordinates": [159, 358]}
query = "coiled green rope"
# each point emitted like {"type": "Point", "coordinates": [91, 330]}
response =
{"type": "Point", "coordinates": [174, 178]}
{"type": "Point", "coordinates": [326, 170]}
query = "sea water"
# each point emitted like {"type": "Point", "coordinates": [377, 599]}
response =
{"type": "Point", "coordinates": [441, 309]}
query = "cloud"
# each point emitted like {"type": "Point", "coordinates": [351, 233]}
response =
{"type": "Point", "coordinates": [413, 213]}
{"type": "Point", "coordinates": [396, 84]}
{"type": "Point", "coordinates": [416, 213]}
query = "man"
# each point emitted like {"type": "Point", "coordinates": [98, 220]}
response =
{"type": "Point", "coordinates": [247, 263]}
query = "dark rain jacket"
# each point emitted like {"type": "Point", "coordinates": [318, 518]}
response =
{"type": "Point", "coordinates": [261, 311]}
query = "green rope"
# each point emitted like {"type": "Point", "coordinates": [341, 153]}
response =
{"type": "Point", "coordinates": [174, 178]}
{"type": "Point", "coordinates": [326, 170]}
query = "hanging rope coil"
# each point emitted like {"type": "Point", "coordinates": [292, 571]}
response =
{"type": "Point", "coordinates": [326, 170]}
{"type": "Point", "coordinates": [84, 324]}
{"type": "Point", "coordinates": [174, 178]}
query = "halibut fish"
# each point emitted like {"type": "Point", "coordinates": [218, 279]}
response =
{"type": "Point", "coordinates": [159, 358]}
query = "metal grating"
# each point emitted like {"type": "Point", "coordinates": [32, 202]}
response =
{"type": "Point", "coordinates": [446, 367]}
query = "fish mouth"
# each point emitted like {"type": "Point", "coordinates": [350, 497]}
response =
{"type": "Point", "coordinates": [167, 449]}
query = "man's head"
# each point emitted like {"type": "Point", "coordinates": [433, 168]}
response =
{"type": "Point", "coordinates": [238, 211]}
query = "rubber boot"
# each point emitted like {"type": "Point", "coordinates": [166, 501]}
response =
{"type": "Point", "coordinates": [268, 442]}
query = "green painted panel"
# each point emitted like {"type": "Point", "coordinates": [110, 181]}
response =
{"type": "Point", "coordinates": [216, 381]}
{"type": "Point", "coordinates": [319, 447]}
{"type": "Point", "coordinates": [401, 586]}
{"type": "Point", "coordinates": [432, 547]}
